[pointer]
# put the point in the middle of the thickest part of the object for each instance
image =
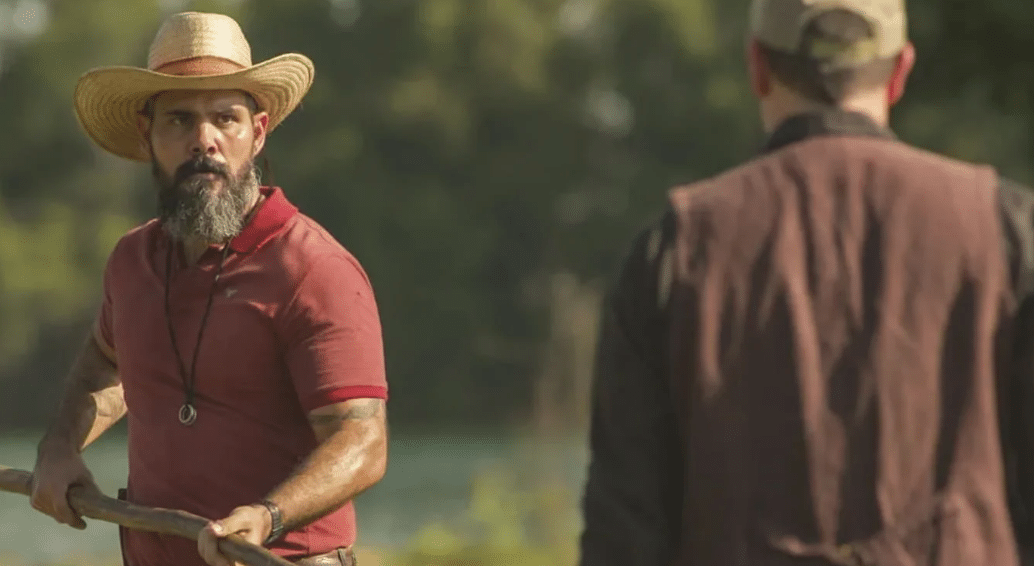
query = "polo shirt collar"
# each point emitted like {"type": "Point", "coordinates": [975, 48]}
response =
{"type": "Point", "coordinates": [272, 215]}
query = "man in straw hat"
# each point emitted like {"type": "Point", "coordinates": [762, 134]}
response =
{"type": "Point", "coordinates": [823, 356]}
{"type": "Point", "coordinates": [240, 338]}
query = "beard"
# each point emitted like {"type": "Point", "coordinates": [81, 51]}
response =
{"type": "Point", "coordinates": [192, 206]}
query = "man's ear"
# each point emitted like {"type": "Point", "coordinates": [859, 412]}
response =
{"type": "Point", "coordinates": [143, 126]}
{"type": "Point", "coordinates": [757, 67]}
{"type": "Point", "coordinates": [260, 123]}
{"type": "Point", "coordinates": [902, 69]}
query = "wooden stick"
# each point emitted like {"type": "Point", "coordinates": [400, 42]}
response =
{"type": "Point", "coordinates": [95, 505]}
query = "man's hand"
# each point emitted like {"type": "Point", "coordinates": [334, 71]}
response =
{"type": "Point", "coordinates": [59, 468]}
{"type": "Point", "coordinates": [251, 522]}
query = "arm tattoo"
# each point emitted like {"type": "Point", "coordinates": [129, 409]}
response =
{"type": "Point", "coordinates": [361, 410]}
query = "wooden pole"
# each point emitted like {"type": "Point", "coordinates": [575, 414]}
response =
{"type": "Point", "coordinates": [95, 505]}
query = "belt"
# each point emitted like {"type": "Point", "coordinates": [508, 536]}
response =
{"type": "Point", "coordinates": [339, 557]}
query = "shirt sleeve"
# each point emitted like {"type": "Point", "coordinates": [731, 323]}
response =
{"type": "Point", "coordinates": [334, 349]}
{"type": "Point", "coordinates": [632, 500]}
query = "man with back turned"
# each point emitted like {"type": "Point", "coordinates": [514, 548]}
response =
{"type": "Point", "coordinates": [822, 356]}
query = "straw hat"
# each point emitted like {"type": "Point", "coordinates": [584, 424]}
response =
{"type": "Point", "coordinates": [191, 51]}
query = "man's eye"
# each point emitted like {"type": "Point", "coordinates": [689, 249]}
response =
{"type": "Point", "coordinates": [227, 118]}
{"type": "Point", "coordinates": [177, 120]}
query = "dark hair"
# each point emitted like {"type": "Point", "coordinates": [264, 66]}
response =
{"type": "Point", "coordinates": [820, 80]}
{"type": "Point", "coordinates": [148, 109]}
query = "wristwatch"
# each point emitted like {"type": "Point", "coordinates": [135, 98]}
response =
{"type": "Point", "coordinates": [277, 524]}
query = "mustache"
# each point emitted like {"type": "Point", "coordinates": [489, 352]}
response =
{"type": "Point", "coordinates": [200, 164]}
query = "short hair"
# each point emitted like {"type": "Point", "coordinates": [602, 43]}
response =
{"type": "Point", "coordinates": [821, 80]}
{"type": "Point", "coordinates": [148, 110]}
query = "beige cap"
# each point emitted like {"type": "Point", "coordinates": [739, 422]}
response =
{"type": "Point", "coordinates": [780, 24]}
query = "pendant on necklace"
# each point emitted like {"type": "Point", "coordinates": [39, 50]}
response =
{"type": "Point", "coordinates": [188, 414]}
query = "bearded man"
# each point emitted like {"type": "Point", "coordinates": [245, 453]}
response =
{"type": "Point", "coordinates": [242, 340]}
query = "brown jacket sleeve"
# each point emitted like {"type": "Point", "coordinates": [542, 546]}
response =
{"type": "Point", "coordinates": [1017, 394]}
{"type": "Point", "coordinates": [632, 499]}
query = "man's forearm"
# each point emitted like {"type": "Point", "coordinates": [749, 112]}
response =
{"type": "Point", "coordinates": [351, 457]}
{"type": "Point", "coordinates": [92, 401]}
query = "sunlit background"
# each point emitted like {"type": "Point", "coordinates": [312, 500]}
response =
{"type": "Point", "coordinates": [488, 162]}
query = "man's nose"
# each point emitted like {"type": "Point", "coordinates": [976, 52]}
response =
{"type": "Point", "coordinates": [204, 139]}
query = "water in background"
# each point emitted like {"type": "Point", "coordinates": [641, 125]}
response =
{"type": "Point", "coordinates": [429, 479]}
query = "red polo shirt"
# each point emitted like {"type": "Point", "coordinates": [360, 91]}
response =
{"type": "Point", "coordinates": [293, 327]}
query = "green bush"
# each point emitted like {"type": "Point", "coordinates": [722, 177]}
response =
{"type": "Point", "coordinates": [508, 522]}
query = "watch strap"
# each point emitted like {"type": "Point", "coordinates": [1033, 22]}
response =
{"type": "Point", "coordinates": [276, 529]}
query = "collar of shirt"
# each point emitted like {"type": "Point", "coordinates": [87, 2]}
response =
{"type": "Point", "coordinates": [268, 220]}
{"type": "Point", "coordinates": [832, 123]}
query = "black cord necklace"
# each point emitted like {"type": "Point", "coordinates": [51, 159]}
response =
{"type": "Point", "coordinates": [188, 414]}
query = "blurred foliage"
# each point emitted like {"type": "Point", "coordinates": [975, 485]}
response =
{"type": "Point", "coordinates": [506, 523]}
{"type": "Point", "coordinates": [467, 153]}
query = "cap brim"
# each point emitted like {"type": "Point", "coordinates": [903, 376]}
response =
{"type": "Point", "coordinates": [108, 101]}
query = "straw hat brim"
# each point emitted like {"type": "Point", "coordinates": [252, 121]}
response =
{"type": "Point", "coordinates": [108, 101]}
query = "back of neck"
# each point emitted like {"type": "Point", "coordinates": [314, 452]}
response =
{"type": "Point", "coordinates": [775, 112]}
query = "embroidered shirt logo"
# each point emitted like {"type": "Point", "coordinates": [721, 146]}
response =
{"type": "Point", "coordinates": [230, 292]}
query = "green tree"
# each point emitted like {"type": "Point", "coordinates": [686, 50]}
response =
{"type": "Point", "coordinates": [487, 162]}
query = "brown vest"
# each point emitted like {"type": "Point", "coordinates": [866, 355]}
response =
{"type": "Point", "coordinates": [838, 310]}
